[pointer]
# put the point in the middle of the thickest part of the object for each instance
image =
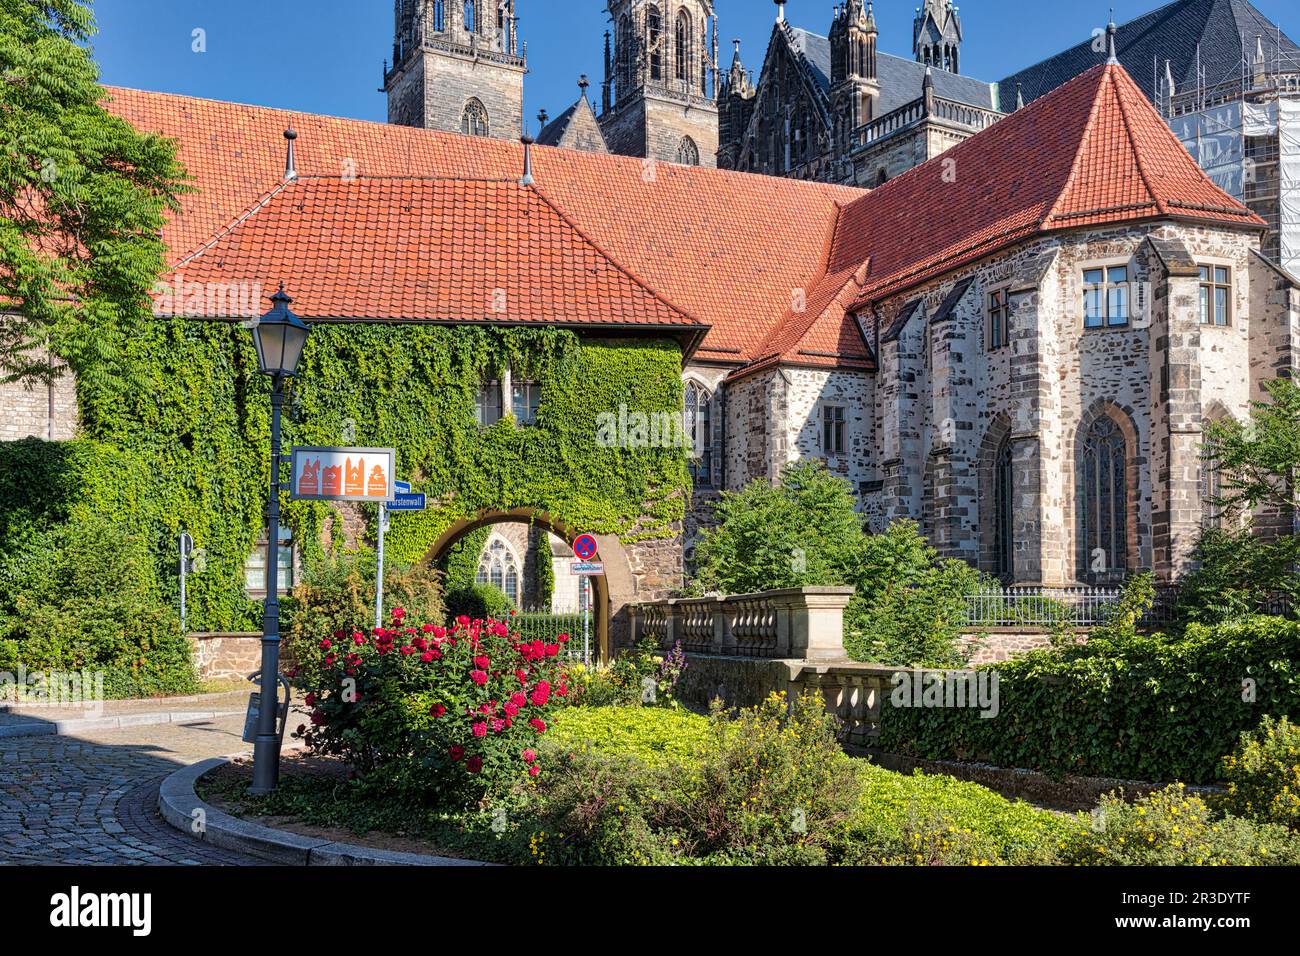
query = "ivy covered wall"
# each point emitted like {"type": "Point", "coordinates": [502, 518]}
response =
{"type": "Point", "coordinates": [193, 432]}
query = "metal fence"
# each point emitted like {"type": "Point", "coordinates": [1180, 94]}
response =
{"type": "Point", "coordinates": [1082, 606]}
{"type": "Point", "coordinates": [546, 625]}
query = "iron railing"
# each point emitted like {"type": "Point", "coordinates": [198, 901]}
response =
{"type": "Point", "coordinates": [1080, 606]}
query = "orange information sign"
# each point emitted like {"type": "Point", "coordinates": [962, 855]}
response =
{"type": "Point", "coordinates": [343, 474]}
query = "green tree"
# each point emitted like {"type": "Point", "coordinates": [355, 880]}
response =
{"type": "Point", "coordinates": [803, 531]}
{"type": "Point", "coordinates": [83, 197]}
{"type": "Point", "coordinates": [1259, 460]}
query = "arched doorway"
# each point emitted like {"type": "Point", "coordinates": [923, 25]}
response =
{"type": "Point", "coordinates": [611, 592]}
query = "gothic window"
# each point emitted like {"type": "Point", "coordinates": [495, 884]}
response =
{"type": "Point", "coordinates": [704, 61]}
{"type": "Point", "coordinates": [688, 154]}
{"type": "Point", "coordinates": [699, 429]}
{"type": "Point", "coordinates": [474, 120]}
{"type": "Point", "coordinates": [437, 16]}
{"type": "Point", "coordinates": [1216, 295]}
{"type": "Point", "coordinates": [624, 55]}
{"type": "Point", "coordinates": [1003, 512]}
{"type": "Point", "coordinates": [1102, 502]}
{"type": "Point", "coordinates": [471, 20]}
{"type": "Point", "coordinates": [682, 47]}
{"type": "Point", "coordinates": [654, 32]}
{"type": "Point", "coordinates": [498, 566]}
{"type": "Point", "coordinates": [1212, 487]}
{"type": "Point", "coordinates": [999, 319]}
{"type": "Point", "coordinates": [1105, 297]}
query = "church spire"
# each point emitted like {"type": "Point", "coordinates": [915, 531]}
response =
{"type": "Point", "coordinates": [937, 35]}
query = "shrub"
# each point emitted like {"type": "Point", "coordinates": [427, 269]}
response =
{"type": "Point", "coordinates": [1172, 828]}
{"type": "Point", "coordinates": [479, 602]}
{"type": "Point", "coordinates": [1236, 574]}
{"type": "Point", "coordinates": [641, 676]}
{"type": "Point", "coordinates": [1263, 774]}
{"type": "Point", "coordinates": [1140, 708]}
{"type": "Point", "coordinates": [451, 716]}
{"type": "Point", "coordinates": [95, 604]}
{"type": "Point", "coordinates": [910, 604]}
{"type": "Point", "coordinates": [338, 594]}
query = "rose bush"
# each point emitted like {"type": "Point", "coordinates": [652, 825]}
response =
{"type": "Point", "coordinates": [446, 714]}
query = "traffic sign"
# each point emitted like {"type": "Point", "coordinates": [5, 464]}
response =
{"type": "Point", "coordinates": [584, 547]}
{"type": "Point", "coordinates": [407, 501]}
{"type": "Point", "coordinates": [587, 569]}
{"type": "Point", "coordinates": [402, 487]}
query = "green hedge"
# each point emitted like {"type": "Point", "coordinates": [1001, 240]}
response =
{"type": "Point", "coordinates": [1143, 708]}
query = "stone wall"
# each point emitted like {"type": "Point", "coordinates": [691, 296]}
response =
{"type": "Point", "coordinates": [432, 87]}
{"type": "Point", "coordinates": [220, 656]}
{"type": "Point", "coordinates": [39, 410]}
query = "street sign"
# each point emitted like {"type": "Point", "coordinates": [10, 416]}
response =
{"type": "Point", "coordinates": [407, 501]}
{"type": "Point", "coordinates": [584, 547]}
{"type": "Point", "coordinates": [587, 568]}
{"type": "Point", "coordinates": [403, 487]}
{"type": "Point", "coordinates": [342, 474]}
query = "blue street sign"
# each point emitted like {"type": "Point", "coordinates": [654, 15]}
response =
{"type": "Point", "coordinates": [402, 487]}
{"type": "Point", "coordinates": [406, 501]}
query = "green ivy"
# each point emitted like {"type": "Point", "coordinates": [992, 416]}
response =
{"type": "Point", "coordinates": [191, 451]}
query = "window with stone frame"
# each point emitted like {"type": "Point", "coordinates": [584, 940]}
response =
{"type": "Point", "coordinates": [682, 47]}
{"type": "Point", "coordinates": [437, 14]}
{"type": "Point", "coordinates": [688, 154]}
{"type": "Point", "coordinates": [1105, 297]}
{"type": "Point", "coordinates": [834, 430]}
{"type": "Point", "coordinates": [471, 16]}
{"type": "Point", "coordinates": [499, 567]}
{"type": "Point", "coordinates": [1102, 502]}
{"type": "Point", "coordinates": [999, 318]}
{"type": "Point", "coordinates": [1212, 486]}
{"type": "Point", "coordinates": [1216, 295]}
{"type": "Point", "coordinates": [255, 566]}
{"type": "Point", "coordinates": [474, 119]}
{"type": "Point", "coordinates": [1004, 512]}
{"type": "Point", "coordinates": [703, 433]}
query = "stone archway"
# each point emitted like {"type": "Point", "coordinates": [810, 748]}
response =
{"type": "Point", "coordinates": [612, 592]}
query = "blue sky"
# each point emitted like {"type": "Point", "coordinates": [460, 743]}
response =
{"type": "Point", "coordinates": [324, 56]}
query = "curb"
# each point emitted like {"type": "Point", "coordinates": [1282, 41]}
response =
{"type": "Point", "coordinates": [17, 707]}
{"type": "Point", "coordinates": [50, 728]}
{"type": "Point", "coordinates": [181, 807]}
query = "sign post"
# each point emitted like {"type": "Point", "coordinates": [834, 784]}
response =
{"type": "Point", "coordinates": [379, 566]}
{"type": "Point", "coordinates": [585, 548]}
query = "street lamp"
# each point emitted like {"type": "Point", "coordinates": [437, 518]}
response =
{"type": "Point", "coordinates": [279, 336]}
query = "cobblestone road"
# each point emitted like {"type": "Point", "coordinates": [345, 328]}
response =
{"type": "Point", "coordinates": [92, 798]}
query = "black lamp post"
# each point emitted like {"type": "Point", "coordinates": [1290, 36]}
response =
{"type": "Point", "coordinates": [279, 336]}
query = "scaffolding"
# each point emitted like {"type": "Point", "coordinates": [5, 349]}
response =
{"type": "Point", "coordinates": [1244, 131]}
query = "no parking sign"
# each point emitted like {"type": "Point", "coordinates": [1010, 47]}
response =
{"type": "Point", "coordinates": [584, 547]}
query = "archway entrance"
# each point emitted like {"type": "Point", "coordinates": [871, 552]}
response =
{"type": "Point", "coordinates": [611, 592]}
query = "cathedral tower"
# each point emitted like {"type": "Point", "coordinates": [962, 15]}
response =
{"type": "Point", "coordinates": [936, 35]}
{"type": "Point", "coordinates": [659, 99]}
{"type": "Point", "coordinates": [457, 66]}
{"type": "Point", "coordinates": [855, 86]}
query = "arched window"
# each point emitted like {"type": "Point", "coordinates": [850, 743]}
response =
{"type": "Point", "coordinates": [471, 19]}
{"type": "Point", "coordinates": [1103, 502]}
{"type": "Point", "coordinates": [682, 47]}
{"type": "Point", "coordinates": [624, 55]}
{"type": "Point", "coordinates": [688, 154]}
{"type": "Point", "coordinates": [1212, 487]}
{"type": "Point", "coordinates": [437, 16]}
{"type": "Point", "coordinates": [1004, 512]}
{"type": "Point", "coordinates": [498, 565]}
{"type": "Point", "coordinates": [699, 429]}
{"type": "Point", "coordinates": [654, 31]}
{"type": "Point", "coordinates": [474, 120]}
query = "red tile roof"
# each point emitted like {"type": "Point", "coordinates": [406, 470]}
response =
{"type": "Point", "coordinates": [724, 248]}
{"type": "Point", "coordinates": [427, 249]}
{"type": "Point", "coordinates": [416, 224]}
{"type": "Point", "coordinates": [1090, 153]}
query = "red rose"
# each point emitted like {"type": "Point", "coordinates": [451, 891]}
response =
{"type": "Point", "coordinates": [310, 699]}
{"type": "Point", "coordinates": [480, 729]}
{"type": "Point", "coordinates": [563, 638]}
{"type": "Point", "coordinates": [456, 751]}
{"type": "Point", "coordinates": [479, 677]}
{"type": "Point", "coordinates": [534, 770]}
{"type": "Point", "coordinates": [518, 699]}
{"type": "Point", "coordinates": [530, 756]}
{"type": "Point", "coordinates": [474, 764]}
{"type": "Point", "coordinates": [481, 663]}
{"type": "Point", "coordinates": [541, 693]}
{"type": "Point", "coordinates": [552, 650]}
{"type": "Point", "coordinates": [317, 717]}
{"type": "Point", "coordinates": [538, 725]}
{"type": "Point", "coordinates": [325, 645]}
{"type": "Point", "coordinates": [511, 708]}
{"type": "Point", "coordinates": [398, 613]}
{"type": "Point", "coordinates": [498, 725]}
{"type": "Point", "coordinates": [427, 657]}
{"type": "Point", "coordinates": [408, 649]}
{"type": "Point", "coordinates": [437, 710]}
{"type": "Point", "coordinates": [463, 621]}
{"type": "Point", "coordinates": [439, 632]}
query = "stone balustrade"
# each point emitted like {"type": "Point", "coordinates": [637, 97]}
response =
{"type": "Point", "coordinates": [805, 623]}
